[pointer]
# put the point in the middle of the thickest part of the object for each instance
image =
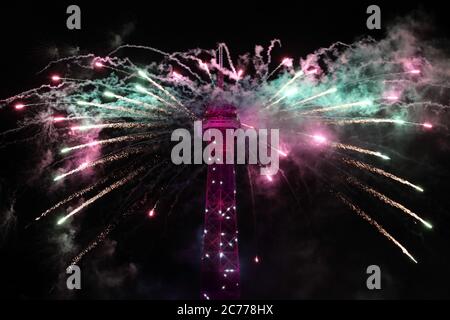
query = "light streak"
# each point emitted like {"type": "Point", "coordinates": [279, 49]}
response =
{"type": "Point", "coordinates": [104, 192]}
{"type": "Point", "coordinates": [389, 201]}
{"type": "Point", "coordinates": [326, 92]}
{"type": "Point", "coordinates": [297, 75]}
{"type": "Point", "coordinates": [115, 108]}
{"type": "Point", "coordinates": [105, 160]}
{"type": "Point", "coordinates": [375, 224]}
{"type": "Point", "coordinates": [340, 107]}
{"type": "Point", "coordinates": [365, 166]}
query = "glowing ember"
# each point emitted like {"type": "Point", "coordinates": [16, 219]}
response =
{"type": "Point", "coordinates": [247, 125]}
{"type": "Point", "coordinates": [282, 153]}
{"type": "Point", "coordinates": [58, 119]}
{"type": "Point", "coordinates": [392, 98]}
{"type": "Point", "coordinates": [291, 92]}
{"type": "Point", "coordinates": [288, 62]}
{"type": "Point", "coordinates": [56, 78]}
{"type": "Point", "coordinates": [319, 139]}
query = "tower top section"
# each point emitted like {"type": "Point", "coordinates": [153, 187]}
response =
{"type": "Point", "coordinates": [221, 115]}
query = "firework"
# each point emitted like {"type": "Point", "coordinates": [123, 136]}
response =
{"type": "Point", "coordinates": [389, 201]}
{"type": "Point", "coordinates": [109, 141]}
{"type": "Point", "coordinates": [101, 194]}
{"type": "Point", "coordinates": [360, 150]}
{"type": "Point", "coordinates": [103, 128]}
{"type": "Point", "coordinates": [92, 164]}
{"type": "Point", "coordinates": [380, 229]}
{"type": "Point", "coordinates": [368, 167]}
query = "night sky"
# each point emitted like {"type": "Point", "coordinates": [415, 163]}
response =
{"type": "Point", "coordinates": [315, 250]}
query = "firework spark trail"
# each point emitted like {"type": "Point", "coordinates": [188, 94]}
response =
{"type": "Point", "coordinates": [115, 108]}
{"type": "Point", "coordinates": [143, 90]}
{"type": "Point", "coordinates": [172, 97]}
{"type": "Point", "coordinates": [98, 240]}
{"type": "Point", "coordinates": [132, 46]}
{"type": "Point", "coordinates": [371, 121]}
{"type": "Point", "coordinates": [187, 68]}
{"type": "Point", "coordinates": [117, 125]}
{"type": "Point", "coordinates": [363, 103]}
{"type": "Point", "coordinates": [15, 130]}
{"type": "Point", "coordinates": [277, 101]}
{"type": "Point", "coordinates": [365, 166]}
{"type": "Point", "coordinates": [205, 67]}
{"type": "Point", "coordinates": [388, 201]}
{"type": "Point", "coordinates": [73, 118]}
{"type": "Point", "coordinates": [66, 59]}
{"type": "Point", "coordinates": [252, 195]}
{"type": "Point", "coordinates": [29, 93]}
{"type": "Point", "coordinates": [109, 228]}
{"type": "Point", "coordinates": [113, 140]}
{"type": "Point", "coordinates": [280, 152]}
{"type": "Point", "coordinates": [287, 84]}
{"type": "Point", "coordinates": [227, 52]}
{"type": "Point", "coordinates": [202, 65]}
{"type": "Point", "coordinates": [184, 82]}
{"type": "Point", "coordinates": [275, 70]}
{"type": "Point", "coordinates": [167, 55]}
{"type": "Point", "coordinates": [426, 104]}
{"type": "Point", "coordinates": [326, 92]}
{"type": "Point", "coordinates": [72, 197]}
{"type": "Point", "coordinates": [378, 76]}
{"type": "Point", "coordinates": [61, 118]}
{"type": "Point", "coordinates": [104, 192]}
{"type": "Point", "coordinates": [374, 223]}
{"type": "Point", "coordinates": [269, 50]}
{"type": "Point", "coordinates": [160, 87]}
{"type": "Point", "coordinates": [133, 101]}
{"type": "Point", "coordinates": [269, 58]}
{"type": "Point", "coordinates": [220, 50]}
{"type": "Point", "coordinates": [320, 139]}
{"type": "Point", "coordinates": [15, 142]}
{"type": "Point", "coordinates": [105, 160]}
{"type": "Point", "coordinates": [65, 80]}
{"type": "Point", "coordinates": [182, 189]}
{"type": "Point", "coordinates": [359, 150]}
{"type": "Point", "coordinates": [115, 64]}
{"type": "Point", "coordinates": [117, 70]}
{"type": "Point", "coordinates": [20, 106]}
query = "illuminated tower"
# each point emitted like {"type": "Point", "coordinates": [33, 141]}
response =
{"type": "Point", "coordinates": [220, 256]}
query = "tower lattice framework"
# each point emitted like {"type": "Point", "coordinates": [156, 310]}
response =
{"type": "Point", "coordinates": [220, 256]}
